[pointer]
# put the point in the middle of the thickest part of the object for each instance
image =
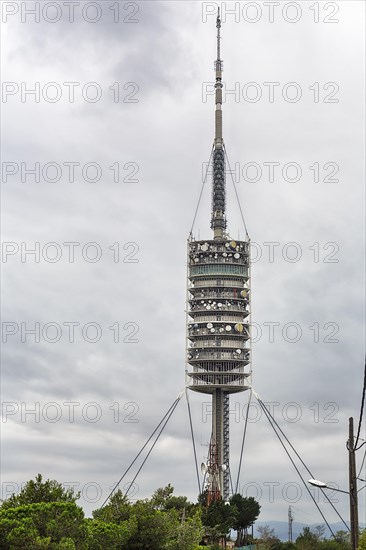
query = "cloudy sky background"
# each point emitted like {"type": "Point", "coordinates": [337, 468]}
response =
{"type": "Point", "coordinates": [168, 52]}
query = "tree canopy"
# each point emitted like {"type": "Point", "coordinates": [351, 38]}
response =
{"type": "Point", "coordinates": [45, 516]}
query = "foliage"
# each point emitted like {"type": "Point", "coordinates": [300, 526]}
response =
{"type": "Point", "coordinates": [164, 522]}
{"type": "Point", "coordinates": [44, 515]}
{"type": "Point", "coordinates": [247, 512]}
{"type": "Point", "coordinates": [103, 535]}
{"type": "Point", "coordinates": [154, 527]}
{"type": "Point", "coordinates": [362, 541]}
{"type": "Point", "coordinates": [319, 531]}
{"type": "Point", "coordinates": [307, 540]}
{"type": "Point", "coordinates": [331, 545]}
{"type": "Point", "coordinates": [268, 538]}
{"type": "Point", "coordinates": [188, 534]}
{"type": "Point", "coordinates": [164, 500]}
{"type": "Point", "coordinates": [161, 497]}
{"type": "Point", "coordinates": [116, 511]}
{"type": "Point", "coordinates": [218, 517]}
{"type": "Point", "coordinates": [278, 545]}
{"type": "Point", "coordinates": [43, 525]}
{"type": "Point", "coordinates": [40, 491]}
{"type": "Point", "coordinates": [266, 533]}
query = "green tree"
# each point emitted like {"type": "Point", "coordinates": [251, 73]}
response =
{"type": "Point", "coordinates": [319, 531]}
{"type": "Point", "coordinates": [188, 534]}
{"type": "Point", "coordinates": [307, 540]}
{"type": "Point", "coordinates": [267, 537]}
{"type": "Point", "coordinates": [154, 528]}
{"type": "Point", "coordinates": [41, 491]}
{"type": "Point", "coordinates": [161, 496]}
{"type": "Point", "coordinates": [218, 518]}
{"type": "Point", "coordinates": [331, 545]}
{"type": "Point", "coordinates": [362, 541]}
{"type": "Point", "coordinates": [42, 525]}
{"type": "Point", "coordinates": [163, 499]}
{"type": "Point", "coordinates": [66, 544]}
{"type": "Point", "coordinates": [116, 511]}
{"type": "Point", "coordinates": [248, 511]}
{"type": "Point", "coordinates": [343, 538]}
{"type": "Point", "coordinates": [103, 535]}
{"type": "Point", "coordinates": [340, 542]}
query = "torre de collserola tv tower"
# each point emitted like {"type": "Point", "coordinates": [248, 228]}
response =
{"type": "Point", "coordinates": [218, 313]}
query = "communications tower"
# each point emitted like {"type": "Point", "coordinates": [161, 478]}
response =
{"type": "Point", "coordinates": [218, 312]}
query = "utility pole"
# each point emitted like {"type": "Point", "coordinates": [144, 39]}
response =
{"type": "Point", "coordinates": [290, 520]}
{"type": "Point", "coordinates": [353, 502]}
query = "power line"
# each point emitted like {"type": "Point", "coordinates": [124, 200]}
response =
{"type": "Point", "coordinates": [362, 463]}
{"type": "Point", "coordinates": [361, 412]}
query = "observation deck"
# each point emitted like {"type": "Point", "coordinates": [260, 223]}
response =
{"type": "Point", "coordinates": [218, 326]}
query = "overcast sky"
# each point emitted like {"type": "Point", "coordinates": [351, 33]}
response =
{"type": "Point", "coordinates": [142, 102]}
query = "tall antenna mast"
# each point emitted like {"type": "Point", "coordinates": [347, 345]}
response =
{"type": "Point", "coordinates": [218, 219]}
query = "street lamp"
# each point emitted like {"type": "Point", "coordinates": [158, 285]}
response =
{"type": "Point", "coordinates": [352, 476]}
{"type": "Point", "coordinates": [323, 485]}
{"type": "Point", "coordinates": [353, 509]}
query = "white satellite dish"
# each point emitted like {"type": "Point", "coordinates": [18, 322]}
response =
{"type": "Point", "coordinates": [223, 467]}
{"type": "Point", "coordinates": [203, 468]}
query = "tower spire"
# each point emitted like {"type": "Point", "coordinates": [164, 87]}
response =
{"type": "Point", "coordinates": [218, 220]}
{"type": "Point", "coordinates": [218, 26]}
